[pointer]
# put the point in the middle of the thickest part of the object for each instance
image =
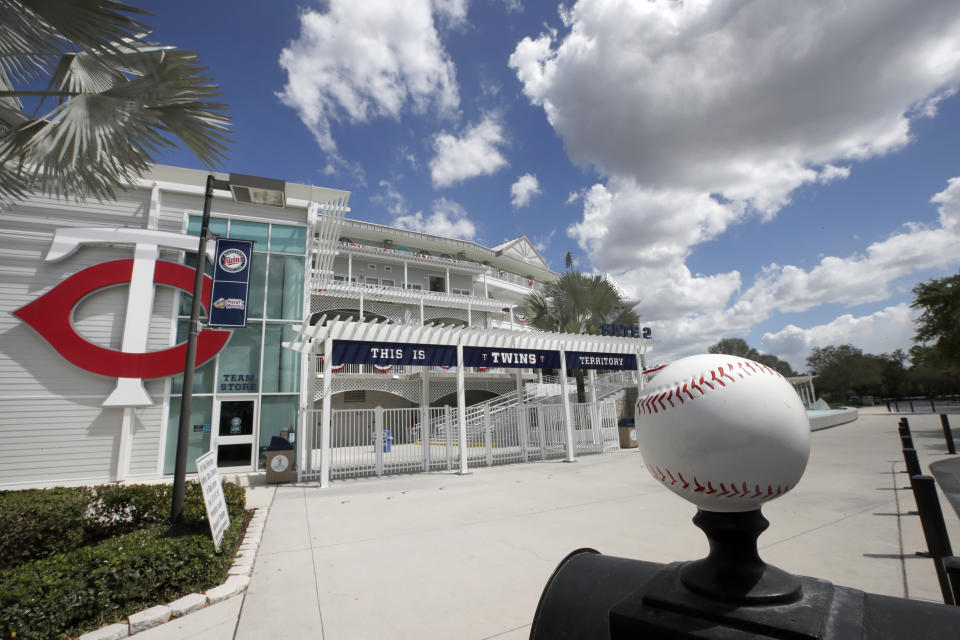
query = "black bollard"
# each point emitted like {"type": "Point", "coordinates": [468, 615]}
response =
{"type": "Point", "coordinates": [912, 461]}
{"type": "Point", "coordinates": [906, 442]}
{"type": "Point", "coordinates": [896, 403]}
{"type": "Point", "coordinates": [888, 406]}
{"type": "Point", "coordinates": [933, 409]}
{"type": "Point", "coordinates": [934, 529]}
{"type": "Point", "coordinates": [947, 434]}
{"type": "Point", "coordinates": [911, 406]}
{"type": "Point", "coordinates": [952, 567]}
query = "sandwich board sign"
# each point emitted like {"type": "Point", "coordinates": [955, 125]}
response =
{"type": "Point", "coordinates": [213, 497]}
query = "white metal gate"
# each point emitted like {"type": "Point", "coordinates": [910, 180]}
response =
{"type": "Point", "coordinates": [377, 442]}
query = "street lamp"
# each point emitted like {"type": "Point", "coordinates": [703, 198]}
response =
{"type": "Point", "coordinates": [245, 189]}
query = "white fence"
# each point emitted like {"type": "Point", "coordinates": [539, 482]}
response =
{"type": "Point", "coordinates": [377, 442]}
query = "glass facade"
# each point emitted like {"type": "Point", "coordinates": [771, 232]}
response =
{"type": "Point", "coordinates": [253, 363]}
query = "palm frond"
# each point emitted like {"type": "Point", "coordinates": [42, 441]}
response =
{"type": "Point", "coordinates": [109, 126]}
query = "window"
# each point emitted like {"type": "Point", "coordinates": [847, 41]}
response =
{"type": "Point", "coordinates": [286, 239]}
{"type": "Point", "coordinates": [411, 285]}
{"type": "Point", "coordinates": [387, 268]}
{"type": "Point", "coordinates": [387, 283]}
{"type": "Point", "coordinates": [339, 278]}
{"type": "Point", "coordinates": [372, 267]}
{"type": "Point", "coordinates": [285, 287]}
{"type": "Point", "coordinates": [281, 367]}
{"type": "Point", "coordinates": [372, 281]}
{"type": "Point", "coordinates": [256, 231]}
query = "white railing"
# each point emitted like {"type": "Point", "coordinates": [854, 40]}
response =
{"type": "Point", "coordinates": [412, 256]}
{"type": "Point", "coordinates": [401, 369]}
{"type": "Point", "coordinates": [380, 293]}
{"type": "Point", "coordinates": [377, 442]}
{"type": "Point", "coordinates": [513, 278]}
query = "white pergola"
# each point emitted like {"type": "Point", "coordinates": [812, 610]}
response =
{"type": "Point", "coordinates": [319, 339]}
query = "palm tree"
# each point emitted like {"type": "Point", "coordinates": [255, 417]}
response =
{"type": "Point", "coordinates": [578, 303]}
{"type": "Point", "coordinates": [103, 101]}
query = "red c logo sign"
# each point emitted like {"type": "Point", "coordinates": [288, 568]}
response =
{"type": "Point", "coordinates": [50, 315]}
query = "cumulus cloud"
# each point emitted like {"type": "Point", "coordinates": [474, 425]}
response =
{"type": "Point", "coordinates": [475, 153]}
{"type": "Point", "coordinates": [886, 330]}
{"type": "Point", "coordinates": [747, 100]}
{"type": "Point", "coordinates": [393, 200]}
{"type": "Point", "coordinates": [716, 112]}
{"type": "Point", "coordinates": [448, 219]}
{"type": "Point", "coordinates": [523, 190]}
{"type": "Point", "coordinates": [358, 61]}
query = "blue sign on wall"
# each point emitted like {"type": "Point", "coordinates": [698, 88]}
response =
{"type": "Point", "coordinates": [384, 353]}
{"type": "Point", "coordinates": [231, 281]}
{"type": "Point", "coordinates": [496, 358]}
{"type": "Point", "coordinates": [604, 361]}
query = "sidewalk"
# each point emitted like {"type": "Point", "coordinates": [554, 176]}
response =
{"type": "Point", "coordinates": [446, 556]}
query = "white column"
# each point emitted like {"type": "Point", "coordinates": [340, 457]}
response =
{"type": "Point", "coordinates": [349, 268]}
{"type": "Point", "coordinates": [448, 279]}
{"type": "Point", "coordinates": [421, 309]}
{"type": "Point", "coordinates": [594, 409]}
{"type": "Point", "coordinates": [469, 316]}
{"type": "Point", "coordinates": [404, 274]}
{"type": "Point", "coordinates": [123, 447]}
{"type": "Point", "coordinates": [325, 414]}
{"type": "Point", "coordinates": [641, 365]}
{"type": "Point", "coordinates": [378, 441]}
{"type": "Point", "coordinates": [461, 412]}
{"type": "Point", "coordinates": [521, 416]}
{"type": "Point", "coordinates": [425, 415]}
{"type": "Point", "coordinates": [486, 294]}
{"type": "Point", "coordinates": [511, 318]}
{"type": "Point", "coordinates": [362, 289]}
{"type": "Point", "coordinates": [565, 397]}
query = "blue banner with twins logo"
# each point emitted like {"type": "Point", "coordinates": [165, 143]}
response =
{"type": "Point", "coordinates": [231, 283]}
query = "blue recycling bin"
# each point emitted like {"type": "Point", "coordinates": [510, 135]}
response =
{"type": "Point", "coordinates": [387, 440]}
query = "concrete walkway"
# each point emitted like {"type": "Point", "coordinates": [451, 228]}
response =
{"type": "Point", "coordinates": [446, 556]}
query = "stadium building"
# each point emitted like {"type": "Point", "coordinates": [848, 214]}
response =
{"type": "Point", "coordinates": [95, 312]}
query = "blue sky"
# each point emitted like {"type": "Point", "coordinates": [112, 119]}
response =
{"type": "Point", "coordinates": [779, 172]}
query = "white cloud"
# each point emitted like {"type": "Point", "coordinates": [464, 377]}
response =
{"type": "Point", "coordinates": [363, 60]}
{"type": "Point", "coordinates": [393, 200]}
{"type": "Point", "coordinates": [524, 189]}
{"type": "Point", "coordinates": [716, 112]}
{"type": "Point", "coordinates": [540, 243]}
{"type": "Point", "coordinates": [573, 196]}
{"type": "Point", "coordinates": [474, 154]}
{"type": "Point", "coordinates": [746, 100]}
{"type": "Point", "coordinates": [881, 332]}
{"type": "Point", "coordinates": [449, 219]}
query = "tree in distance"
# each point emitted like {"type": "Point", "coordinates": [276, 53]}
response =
{"type": "Point", "coordinates": [86, 102]}
{"type": "Point", "coordinates": [739, 347]}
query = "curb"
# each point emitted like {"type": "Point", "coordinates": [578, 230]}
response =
{"type": "Point", "coordinates": [237, 581]}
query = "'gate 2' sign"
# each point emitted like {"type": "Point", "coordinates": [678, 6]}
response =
{"type": "Point", "coordinates": [626, 331]}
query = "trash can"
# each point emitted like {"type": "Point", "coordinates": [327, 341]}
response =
{"type": "Point", "coordinates": [279, 461]}
{"type": "Point", "coordinates": [628, 433]}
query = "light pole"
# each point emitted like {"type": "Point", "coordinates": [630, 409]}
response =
{"type": "Point", "coordinates": [246, 189]}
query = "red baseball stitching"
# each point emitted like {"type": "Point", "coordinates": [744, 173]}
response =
{"type": "Point", "coordinates": [733, 490]}
{"type": "Point", "coordinates": [722, 376]}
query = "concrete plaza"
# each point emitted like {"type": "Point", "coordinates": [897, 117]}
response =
{"type": "Point", "coordinates": [446, 556]}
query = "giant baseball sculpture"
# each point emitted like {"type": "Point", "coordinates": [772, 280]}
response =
{"type": "Point", "coordinates": [726, 433]}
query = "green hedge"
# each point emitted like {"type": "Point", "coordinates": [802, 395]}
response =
{"type": "Point", "coordinates": [69, 592]}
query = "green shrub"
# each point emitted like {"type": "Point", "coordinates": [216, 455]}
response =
{"type": "Point", "coordinates": [37, 522]}
{"type": "Point", "coordinates": [69, 592]}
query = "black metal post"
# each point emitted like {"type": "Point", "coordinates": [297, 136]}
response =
{"type": "Point", "coordinates": [896, 403]}
{"type": "Point", "coordinates": [947, 434]}
{"type": "Point", "coordinates": [888, 406]}
{"type": "Point", "coordinates": [906, 442]}
{"type": "Point", "coordinates": [934, 529]}
{"type": "Point", "coordinates": [912, 461]}
{"type": "Point", "coordinates": [933, 409]}
{"type": "Point", "coordinates": [186, 400]}
{"type": "Point", "coordinates": [911, 406]}
{"type": "Point", "coordinates": [952, 566]}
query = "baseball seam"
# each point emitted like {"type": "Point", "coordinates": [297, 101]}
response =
{"type": "Point", "coordinates": [718, 379]}
{"type": "Point", "coordinates": [734, 490]}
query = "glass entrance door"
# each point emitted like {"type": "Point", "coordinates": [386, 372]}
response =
{"type": "Point", "coordinates": [236, 421]}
